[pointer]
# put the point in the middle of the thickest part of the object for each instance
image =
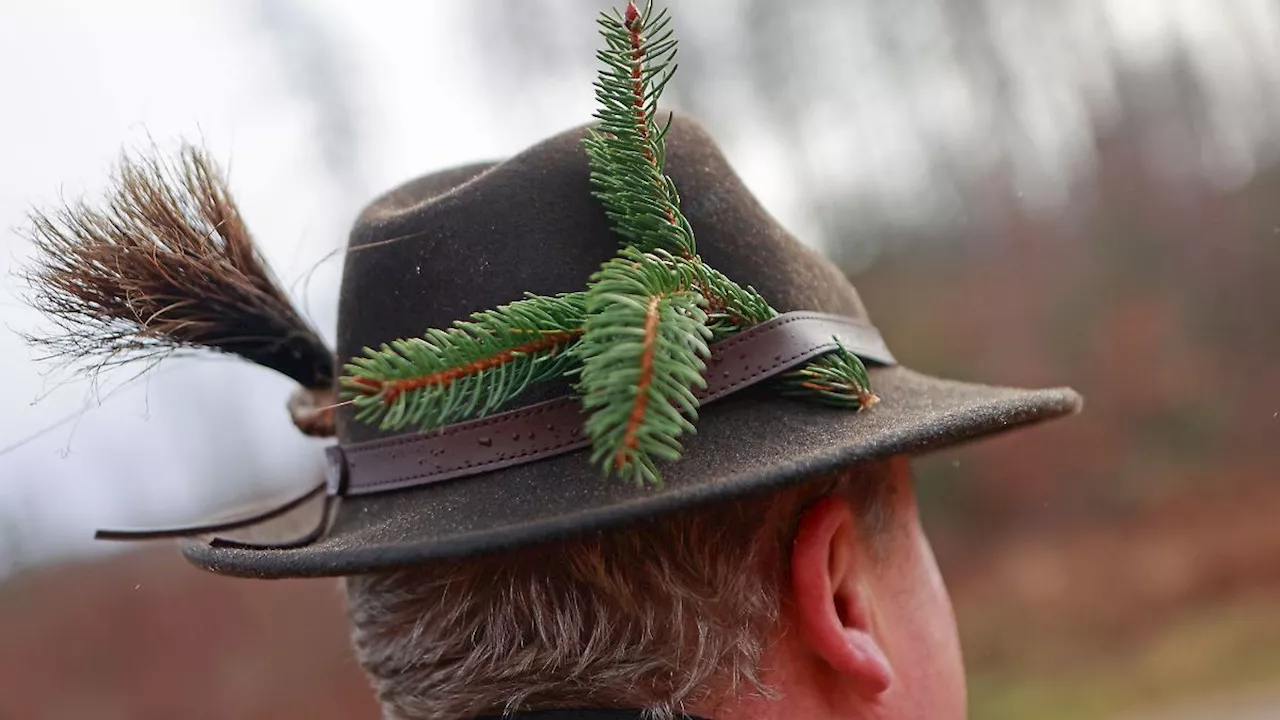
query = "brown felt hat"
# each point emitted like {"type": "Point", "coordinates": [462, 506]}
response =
{"type": "Point", "coordinates": [454, 242]}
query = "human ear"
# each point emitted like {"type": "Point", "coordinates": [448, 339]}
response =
{"type": "Point", "coordinates": [834, 605]}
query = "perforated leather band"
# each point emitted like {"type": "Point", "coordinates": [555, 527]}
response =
{"type": "Point", "coordinates": [554, 427]}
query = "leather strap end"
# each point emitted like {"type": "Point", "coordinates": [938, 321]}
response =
{"type": "Point", "coordinates": [209, 527]}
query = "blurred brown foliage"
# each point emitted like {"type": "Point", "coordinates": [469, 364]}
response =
{"type": "Point", "coordinates": [1157, 301]}
{"type": "Point", "coordinates": [145, 636]}
{"type": "Point", "coordinates": [1071, 545]}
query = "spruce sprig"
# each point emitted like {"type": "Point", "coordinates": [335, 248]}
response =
{"type": "Point", "coordinates": [732, 307]}
{"type": "Point", "coordinates": [627, 151]}
{"type": "Point", "coordinates": [837, 378]}
{"type": "Point", "coordinates": [469, 370]}
{"type": "Point", "coordinates": [643, 352]}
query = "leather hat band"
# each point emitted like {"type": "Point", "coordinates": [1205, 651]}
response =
{"type": "Point", "coordinates": [553, 427]}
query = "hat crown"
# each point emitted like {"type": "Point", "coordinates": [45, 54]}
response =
{"type": "Point", "coordinates": [448, 244]}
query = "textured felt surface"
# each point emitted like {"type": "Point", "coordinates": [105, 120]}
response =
{"type": "Point", "coordinates": [448, 244]}
{"type": "Point", "coordinates": [748, 442]}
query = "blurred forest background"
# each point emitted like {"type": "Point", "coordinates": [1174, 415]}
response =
{"type": "Point", "coordinates": [1038, 192]}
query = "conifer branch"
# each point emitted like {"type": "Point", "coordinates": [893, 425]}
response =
{"type": "Point", "coordinates": [837, 378]}
{"type": "Point", "coordinates": [627, 150]}
{"type": "Point", "coordinates": [642, 352]}
{"type": "Point", "coordinates": [469, 370]}
{"type": "Point", "coordinates": [730, 306]}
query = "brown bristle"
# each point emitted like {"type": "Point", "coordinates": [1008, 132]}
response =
{"type": "Point", "coordinates": [165, 264]}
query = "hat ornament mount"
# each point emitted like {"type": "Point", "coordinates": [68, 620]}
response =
{"type": "Point", "coordinates": [637, 339]}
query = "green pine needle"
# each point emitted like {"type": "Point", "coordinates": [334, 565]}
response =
{"type": "Point", "coordinates": [837, 378]}
{"type": "Point", "coordinates": [627, 149]}
{"type": "Point", "coordinates": [732, 307]}
{"type": "Point", "coordinates": [642, 354]}
{"type": "Point", "coordinates": [469, 370]}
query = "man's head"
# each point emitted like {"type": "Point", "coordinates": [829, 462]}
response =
{"type": "Point", "coordinates": [497, 567]}
{"type": "Point", "coordinates": [499, 320]}
{"type": "Point", "coordinates": [821, 600]}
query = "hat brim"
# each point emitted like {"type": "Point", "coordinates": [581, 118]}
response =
{"type": "Point", "coordinates": [752, 441]}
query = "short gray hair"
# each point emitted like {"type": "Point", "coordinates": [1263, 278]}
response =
{"type": "Point", "coordinates": [661, 615]}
